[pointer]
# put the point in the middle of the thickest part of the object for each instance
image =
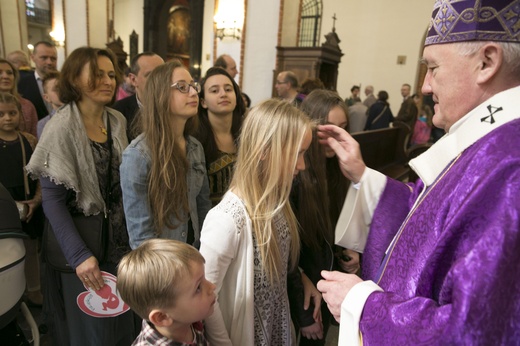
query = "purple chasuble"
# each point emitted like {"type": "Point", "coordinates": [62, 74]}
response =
{"type": "Point", "coordinates": [453, 275]}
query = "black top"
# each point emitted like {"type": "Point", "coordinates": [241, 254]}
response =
{"type": "Point", "coordinates": [119, 243]}
{"type": "Point", "coordinates": [12, 177]}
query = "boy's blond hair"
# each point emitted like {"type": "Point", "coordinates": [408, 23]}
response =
{"type": "Point", "coordinates": [148, 277]}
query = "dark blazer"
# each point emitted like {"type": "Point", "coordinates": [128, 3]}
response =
{"type": "Point", "coordinates": [28, 88]}
{"type": "Point", "coordinates": [129, 108]}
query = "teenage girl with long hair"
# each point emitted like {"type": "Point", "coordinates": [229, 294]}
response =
{"type": "Point", "coordinates": [317, 197]}
{"type": "Point", "coordinates": [163, 173]}
{"type": "Point", "coordinates": [221, 110]}
{"type": "Point", "coordinates": [250, 239]}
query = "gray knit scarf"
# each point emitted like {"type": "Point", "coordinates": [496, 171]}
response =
{"type": "Point", "coordinates": [64, 155]}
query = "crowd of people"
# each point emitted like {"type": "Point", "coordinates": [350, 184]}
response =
{"type": "Point", "coordinates": [373, 113]}
{"type": "Point", "coordinates": [228, 225]}
{"type": "Point", "coordinates": [153, 164]}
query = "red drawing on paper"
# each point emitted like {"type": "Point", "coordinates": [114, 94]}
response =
{"type": "Point", "coordinates": [105, 302]}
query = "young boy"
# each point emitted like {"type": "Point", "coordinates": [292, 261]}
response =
{"type": "Point", "coordinates": [163, 282]}
{"type": "Point", "coordinates": [50, 95]}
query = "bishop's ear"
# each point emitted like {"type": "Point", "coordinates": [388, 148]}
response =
{"type": "Point", "coordinates": [491, 56]}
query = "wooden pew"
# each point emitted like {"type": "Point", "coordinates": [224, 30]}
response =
{"type": "Point", "coordinates": [384, 150]}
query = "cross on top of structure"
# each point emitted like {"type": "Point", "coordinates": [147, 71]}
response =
{"type": "Point", "coordinates": [334, 23]}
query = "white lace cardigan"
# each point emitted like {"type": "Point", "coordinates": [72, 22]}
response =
{"type": "Point", "coordinates": [227, 246]}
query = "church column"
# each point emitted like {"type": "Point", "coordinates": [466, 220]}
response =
{"type": "Point", "coordinates": [13, 26]}
{"type": "Point", "coordinates": [98, 22]}
{"type": "Point", "coordinates": [76, 24]}
{"type": "Point", "coordinates": [128, 17]}
{"type": "Point", "coordinates": [260, 49]}
{"type": "Point", "coordinates": [58, 30]}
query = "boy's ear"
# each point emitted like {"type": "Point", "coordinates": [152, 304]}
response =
{"type": "Point", "coordinates": [159, 318]}
{"type": "Point", "coordinates": [46, 97]}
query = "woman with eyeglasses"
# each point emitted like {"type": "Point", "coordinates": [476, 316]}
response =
{"type": "Point", "coordinates": [163, 173]}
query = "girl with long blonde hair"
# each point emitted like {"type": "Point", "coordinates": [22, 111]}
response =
{"type": "Point", "coordinates": [250, 239]}
{"type": "Point", "coordinates": [163, 173]}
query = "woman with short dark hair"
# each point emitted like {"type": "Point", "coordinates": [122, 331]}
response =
{"type": "Point", "coordinates": [77, 161]}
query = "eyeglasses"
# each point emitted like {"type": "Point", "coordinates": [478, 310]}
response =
{"type": "Point", "coordinates": [278, 82]}
{"type": "Point", "coordinates": [184, 87]}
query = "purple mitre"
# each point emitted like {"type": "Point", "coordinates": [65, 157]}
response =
{"type": "Point", "coordinates": [474, 20]}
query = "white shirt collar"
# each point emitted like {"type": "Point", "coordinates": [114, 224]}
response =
{"type": "Point", "coordinates": [488, 116]}
{"type": "Point", "coordinates": [139, 104]}
{"type": "Point", "coordinates": [37, 76]}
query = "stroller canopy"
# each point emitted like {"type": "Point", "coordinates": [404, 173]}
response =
{"type": "Point", "coordinates": [10, 226]}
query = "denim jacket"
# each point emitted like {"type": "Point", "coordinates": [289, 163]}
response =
{"type": "Point", "coordinates": [135, 168]}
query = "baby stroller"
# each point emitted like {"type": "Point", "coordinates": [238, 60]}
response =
{"type": "Point", "coordinates": [12, 276]}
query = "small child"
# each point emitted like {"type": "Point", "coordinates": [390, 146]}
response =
{"type": "Point", "coordinates": [163, 281]}
{"type": "Point", "coordinates": [16, 148]}
{"type": "Point", "coordinates": [50, 95]}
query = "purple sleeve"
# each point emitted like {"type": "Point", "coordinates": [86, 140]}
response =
{"type": "Point", "coordinates": [468, 291]}
{"type": "Point", "coordinates": [54, 199]}
{"type": "Point", "coordinates": [395, 203]}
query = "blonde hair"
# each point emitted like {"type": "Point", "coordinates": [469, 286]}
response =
{"type": "Point", "coordinates": [268, 150]}
{"type": "Point", "coordinates": [150, 276]}
{"type": "Point", "coordinates": [167, 188]}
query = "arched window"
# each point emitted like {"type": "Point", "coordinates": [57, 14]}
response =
{"type": "Point", "coordinates": [310, 23]}
{"type": "Point", "coordinates": [38, 12]}
{"type": "Point", "coordinates": [39, 22]}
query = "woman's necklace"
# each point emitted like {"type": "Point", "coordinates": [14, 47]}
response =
{"type": "Point", "coordinates": [91, 122]}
